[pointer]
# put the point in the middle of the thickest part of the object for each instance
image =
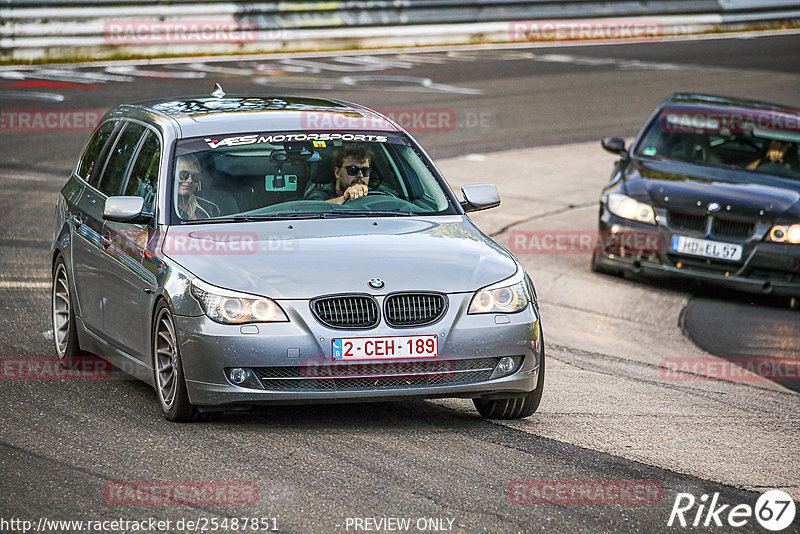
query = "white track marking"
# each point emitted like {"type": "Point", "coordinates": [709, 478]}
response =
{"type": "Point", "coordinates": [18, 284]}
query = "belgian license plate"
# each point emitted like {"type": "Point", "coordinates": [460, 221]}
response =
{"type": "Point", "coordinates": [385, 348]}
{"type": "Point", "coordinates": [706, 248]}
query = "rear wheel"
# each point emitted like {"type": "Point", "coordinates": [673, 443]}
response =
{"type": "Point", "coordinates": [168, 370]}
{"type": "Point", "coordinates": [65, 333]}
{"type": "Point", "coordinates": [514, 407]}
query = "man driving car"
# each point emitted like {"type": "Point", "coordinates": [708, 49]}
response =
{"type": "Point", "coordinates": [351, 170]}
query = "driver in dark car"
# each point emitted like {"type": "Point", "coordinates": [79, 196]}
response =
{"type": "Point", "coordinates": [776, 152]}
{"type": "Point", "coordinates": [351, 169]}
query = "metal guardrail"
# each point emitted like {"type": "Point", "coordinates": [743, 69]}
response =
{"type": "Point", "coordinates": [82, 28]}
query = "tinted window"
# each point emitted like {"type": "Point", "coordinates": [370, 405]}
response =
{"type": "Point", "coordinates": [144, 176]}
{"type": "Point", "coordinates": [754, 140]}
{"type": "Point", "coordinates": [93, 149]}
{"type": "Point", "coordinates": [118, 159]}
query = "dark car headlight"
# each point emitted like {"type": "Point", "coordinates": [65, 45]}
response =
{"type": "Point", "coordinates": [509, 296]}
{"type": "Point", "coordinates": [630, 208]}
{"type": "Point", "coordinates": [782, 233]}
{"type": "Point", "coordinates": [232, 307]}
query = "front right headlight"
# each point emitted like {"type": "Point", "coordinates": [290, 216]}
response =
{"type": "Point", "coordinates": [508, 296]}
{"type": "Point", "coordinates": [231, 307]}
{"type": "Point", "coordinates": [630, 208]}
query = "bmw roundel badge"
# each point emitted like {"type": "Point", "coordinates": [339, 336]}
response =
{"type": "Point", "coordinates": [713, 206]}
{"type": "Point", "coordinates": [376, 283]}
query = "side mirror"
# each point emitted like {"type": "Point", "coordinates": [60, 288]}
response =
{"type": "Point", "coordinates": [126, 210]}
{"type": "Point", "coordinates": [615, 145]}
{"type": "Point", "coordinates": [480, 197]}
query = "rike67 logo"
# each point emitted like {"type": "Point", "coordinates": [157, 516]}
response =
{"type": "Point", "coordinates": [774, 510]}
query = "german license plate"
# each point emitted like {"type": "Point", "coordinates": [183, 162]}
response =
{"type": "Point", "coordinates": [385, 348]}
{"type": "Point", "coordinates": [706, 248]}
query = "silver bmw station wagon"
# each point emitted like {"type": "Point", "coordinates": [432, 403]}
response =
{"type": "Point", "coordinates": [232, 251]}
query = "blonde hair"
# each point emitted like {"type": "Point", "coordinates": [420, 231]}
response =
{"type": "Point", "coordinates": [192, 206]}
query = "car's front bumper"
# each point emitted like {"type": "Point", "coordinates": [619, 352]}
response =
{"type": "Point", "coordinates": [303, 345]}
{"type": "Point", "coordinates": [765, 268]}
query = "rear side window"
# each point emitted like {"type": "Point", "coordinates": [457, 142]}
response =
{"type": "Point", "coordinates": [144, 176]}
{"type": "Point", "coordinates": [94, 148]}
{"type": "Point", "coordinates": [119, 158]}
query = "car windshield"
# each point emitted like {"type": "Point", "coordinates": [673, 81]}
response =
{"type": "Point", "coordinates": [760, 141]}
{"type": "Point", "coordinates": [303, 175]}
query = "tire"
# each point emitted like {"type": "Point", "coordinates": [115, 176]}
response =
{"type": "Point", "coordinates": [597, 268]}
{"type": "Point", "coordinates": [65, 333]}
{"type": "Point", "coordinates": [516, 407]}
{"type": "Point", "coordinates": [168, 370]}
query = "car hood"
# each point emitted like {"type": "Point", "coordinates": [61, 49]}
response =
{"type": "Point", "coordinates": [693, 187]}
{"type": "Point", "coordinates": [302, 259]}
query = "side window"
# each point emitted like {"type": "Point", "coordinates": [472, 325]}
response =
{"type": "Point", "coordinates": [92, 153]}
{"type": "Point", "coordinates": [119, 158]}
{"type": "Point", "coordinates": [144, 176]}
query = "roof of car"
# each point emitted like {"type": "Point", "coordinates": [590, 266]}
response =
{"type": "Point", "coordinates": [204, 115]}
{"type": "Point", "coordinates": [705, 100]}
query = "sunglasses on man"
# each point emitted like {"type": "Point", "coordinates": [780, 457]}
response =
{"type": "Point", "coordinates": [352, 170]}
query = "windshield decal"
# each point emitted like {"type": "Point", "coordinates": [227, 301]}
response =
{"type": "Point", "coordinates": [281, 138]}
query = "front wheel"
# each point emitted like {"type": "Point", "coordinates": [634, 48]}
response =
{"type": "Point", "coordinates": [168, 370]}
{"type": "Point", "coordinates": [597, 268]}
{"type": "Point", "coordinates": [514, 407]}
{"type": "Point", "coordinates": [65, 333]}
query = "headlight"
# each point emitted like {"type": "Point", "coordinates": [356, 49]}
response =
{"type": "Point", "coordinates": [501, 297]}
{"type": "Point", "coordinates": [231, 307]}
{"type": "Point", "coordinates": [785, 234]}
{"type": "Point", "coordinates": [629, 208]}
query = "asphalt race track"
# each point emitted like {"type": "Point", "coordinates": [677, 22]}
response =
{"type": "Point", "coordinates": [526, 118]}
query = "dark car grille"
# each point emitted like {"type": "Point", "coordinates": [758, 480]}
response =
{"type": "Point", "coordinates": [732, 227]}
{"type": "Point", "coordinates": [392, 375]}
{"type": "Point", "coordinates": [350, 311]}
{"type": "Point", "coordinates": [686, 221]}
{"type": "Point", "coordinates": [414, 309]}
{"type": "Point", "coordinates": [720, 226]}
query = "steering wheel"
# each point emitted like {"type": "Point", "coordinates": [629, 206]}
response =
{"type": "Point", "coordinates": [381, 201]}
{"type": "Point", "coordinates": [380, 192]}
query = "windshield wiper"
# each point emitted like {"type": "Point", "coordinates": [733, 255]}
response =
{"type": "Point", "coordinates": [335, 214]}
{"type": "Point", "coordinates": [278, 216]}
{"type": "Point", "coordinates": [249, 218]}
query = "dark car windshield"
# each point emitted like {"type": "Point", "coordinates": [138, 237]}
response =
{"type": "Point", "coordinates": [761, 141]}
{"type": "Point", "coordinates": [300, 175]}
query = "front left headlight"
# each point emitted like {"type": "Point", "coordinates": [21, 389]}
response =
{"type": "Point", "coordinates": [508, 296]}
{"type": "Point", "coordinates": [783, 233]}
{"type": "Point", "coordinates": [231, 307]}
{"type": "Point", "coordinates": [630, 208]}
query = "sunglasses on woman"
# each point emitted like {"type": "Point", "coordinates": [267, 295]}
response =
{"type": "Point", "coordinates": [185, 175]}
